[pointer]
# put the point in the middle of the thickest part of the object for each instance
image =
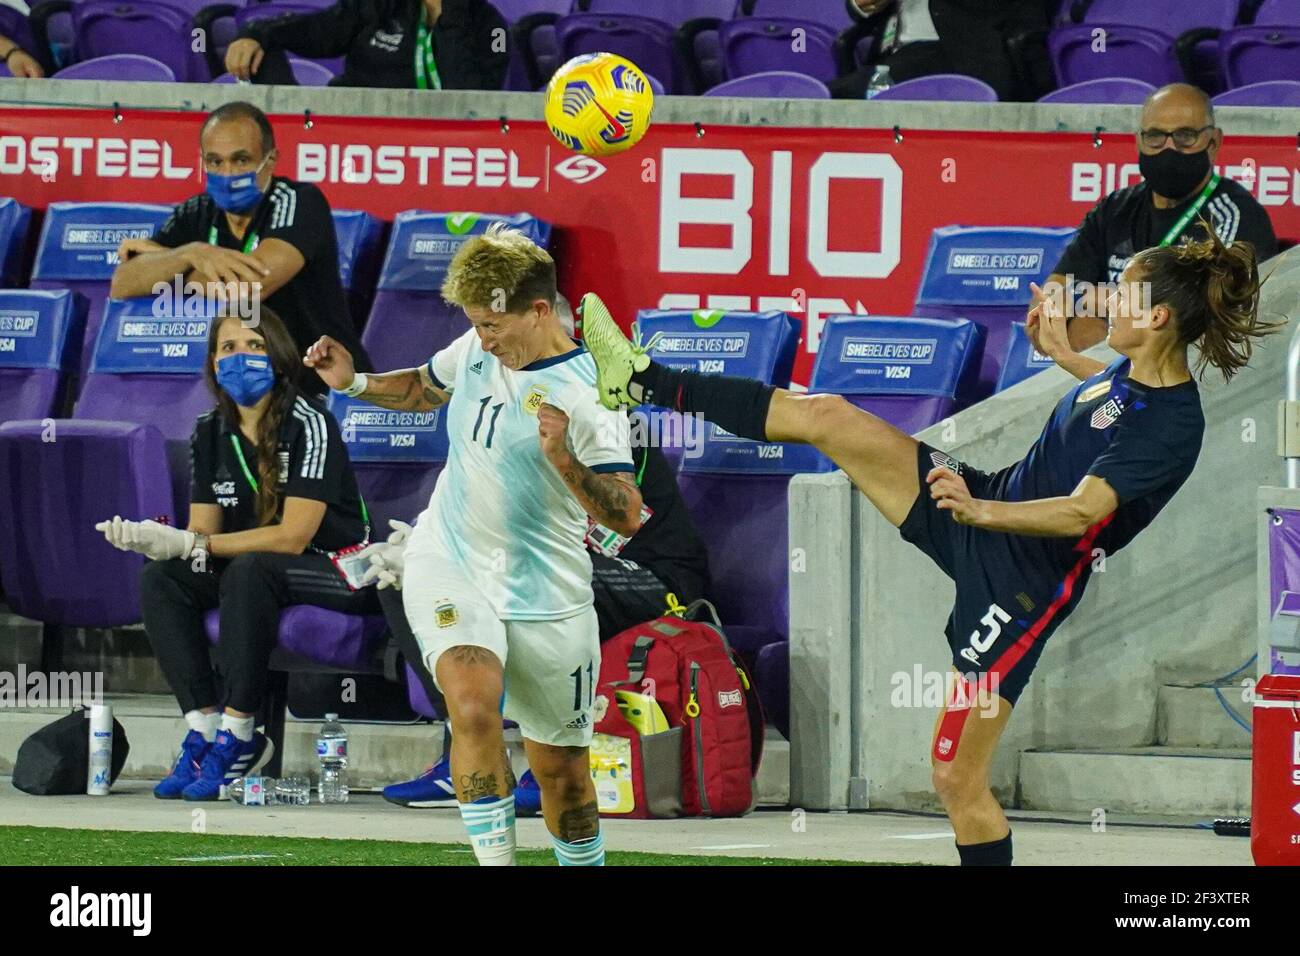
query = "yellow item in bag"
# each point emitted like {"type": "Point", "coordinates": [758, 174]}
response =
{"type": "Point", "coordinates": [642, 712]}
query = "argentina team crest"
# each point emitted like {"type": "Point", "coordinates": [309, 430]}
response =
{"type": "Point", "coordinates": [1107, 414]}
{"type": "Point", "coordinates": [535, 398]}
{"type": "Point", "coordinates": [446, 615]}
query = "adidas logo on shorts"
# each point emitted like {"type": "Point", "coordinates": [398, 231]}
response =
{"type": "Point", "coordinates": [579, 723]}
{"type": "Point", "coordinates": [942, 460]}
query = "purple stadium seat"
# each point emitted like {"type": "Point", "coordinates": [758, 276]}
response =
{"type": "Point", "coordinates": [645, 41]}
{"type": "Point", "coordinates": [1132, 51]}
{"type": "Point", "coordinates": [409, 320]}
{"type": "Point", "coordinates": [949, 87]}
{"type": "Point", "coordinates": [1258, 53]}
{"type": "Point", "coordinates": [313, 639]}
{"type": "Point", "coordinates": [706, 49]}
{"type": "Point", "coordinates": [1269, 93]}
{"type": "Point", "coordinates": [736, 489]}
{"type": "Point", "coordinates": [656, 86]}
{"type": "Point", "coordinates": [15, 219]}
{"type": "Point", "coordinates": [119, 66]}
{"type": "Point", "coordinates": [832, 14]}
{"type": "Point", "coordinates": [912, 372]}
{"type": "Point", "coordinates": [310, 72]}
{"type": "Point", "coordinates": [763, 44]}
{"type": "Point", "coordinates": [78, 251]}
{"type": "Point", "coordinates": [772, 678]}
{"type": "Point", "coordinates": [983, 273]}
{"type": "Point", "coordinates": [124, 451]}
{"type": "Point", "coordinates": [1135, 52]}
{"type": "Point", "coordinates": [526, 18]}
{"type": "Point", "coordinates": [1277, 13]}
{"type": "Point", "coordinates": [674, 12]}
{"type": "Point", "coordinates": [515, 10]}
{"type": "Point", "coordinates": [106, 27]}
{"type": "Point", "coordinates": [778, 84]}
{"type": "Point", "coordinates": [15, 26]}
{"type": "Point", "coordinates": [1116, 89]}
{"type": "Point", "coordinates": [287, 8]}
{"type": "Point", "coordinates": [40, 333]}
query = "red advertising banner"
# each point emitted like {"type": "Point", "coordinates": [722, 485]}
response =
{"type": "Point", "coordinates": [815, 221]}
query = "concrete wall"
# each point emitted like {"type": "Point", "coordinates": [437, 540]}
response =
{"type": "Point", "coordinates": [1119, 120]}
{"type": "Point", "coordinates": [1179, 603]}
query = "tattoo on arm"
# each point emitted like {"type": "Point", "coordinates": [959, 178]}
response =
{"type": "Point", "coordinates": [580, 824]}
{"type": "Point", "coordinates": [607, 494]}
{"type": "Point", "coordinates": [408, 390]}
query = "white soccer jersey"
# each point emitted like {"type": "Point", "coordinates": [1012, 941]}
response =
{"type": "Point", "coordinates": [500, 510]}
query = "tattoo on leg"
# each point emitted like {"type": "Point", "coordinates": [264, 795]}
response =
{"type": "Point", "coordinates": [476, 786]}
{"type": "Point", "coordinates": [580, 824]}
{"type": "Point", "coordinates": [511, 782]}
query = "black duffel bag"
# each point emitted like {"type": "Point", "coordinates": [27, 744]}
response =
{"type": "Point", "coordinates": [56, 759]}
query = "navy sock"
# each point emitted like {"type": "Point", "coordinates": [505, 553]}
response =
{"type": "Point", "coordinates": [737, 404]}
{"type": "Point", "coordinates": [996, 853]}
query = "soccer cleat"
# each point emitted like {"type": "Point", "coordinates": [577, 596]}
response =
{"type": "Point", "coordinates": [616, 358]}
{"type": "Point", "coordinates": [433, 788]}
{"type": "Point", "coordinates": [228, 759]}
{"type": "Point", "coordinates": [528, 796]}
{"type": "Point", "coordinates": [193, 749]}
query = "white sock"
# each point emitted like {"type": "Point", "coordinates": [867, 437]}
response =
{"type": "Point", "coordinates": [206, 724]}
{"type": "Point", "coordinates": [491, 825]}
{"type": "Point", "coordinates": [241, 727]}
{"type": "Point", "coordinates": [589, 852]}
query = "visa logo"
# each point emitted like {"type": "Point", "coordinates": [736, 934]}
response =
{"type": "Point", "coordinates": [401, 441]}
{"type": "Point", "coordinates": [175, 350]}
{"type": "Point", "coordinates": [1006, 282]}
{"type": "Point", "coordinates": [8, 345]}
{"type": "Point", "coordinates": [771, 451]}
{"type": "Point", "coordinates": [112, 257]}
{"type": "Point", "coordinates": [712, 365]}
{"type": "Point", "coordinates": [898, 371]}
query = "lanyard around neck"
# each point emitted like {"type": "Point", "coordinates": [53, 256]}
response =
{"type": "Point", "coordinates": [1172, 235]}
{"type": "Point", "coordinates": [250, 240]}
{"type": "Point", "coordinates": [426, 69]}
{"type": "Point", "coordinates": [252, 481]}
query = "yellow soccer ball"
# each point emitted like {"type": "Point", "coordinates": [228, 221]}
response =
{"type": "Point", "coordinates": [599, 104]}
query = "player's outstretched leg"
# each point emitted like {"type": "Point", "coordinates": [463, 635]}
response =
{"type": "Point", "coordinates": [965, 737]}
{"type": "Point", "coordinates": [472, 681]}
{"type": "Point", "coordinates": [568, 802]}
{"type": "Point", "coordinates": [878, 458]}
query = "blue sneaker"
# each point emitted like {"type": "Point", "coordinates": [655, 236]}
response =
{"type": "Point", "coordinates": [227, 759]}
{"type": "Point", "coordinates": [433, 788]}
{"type": "Point", "coordinates": [528, 796]}
{"type": "Point", "coordinates": [193, 750]}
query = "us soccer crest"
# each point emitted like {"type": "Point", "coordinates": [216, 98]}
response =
{"type": "Point", "coordinates": [1107, 414]}
{"type": "Point", "coordinates": [446, 614]}
{"type": "Point", "coordinates": [536, 396]}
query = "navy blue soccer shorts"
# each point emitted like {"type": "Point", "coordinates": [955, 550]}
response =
{"type": "Point", "coordinates": [1013, 591]}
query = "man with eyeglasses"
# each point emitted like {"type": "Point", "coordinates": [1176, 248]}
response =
{"type": "Point", "coordinates": [1177, 147]}
{"type": "Point", "coordinates": [271, 236]}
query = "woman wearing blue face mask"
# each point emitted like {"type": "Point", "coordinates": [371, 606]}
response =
{"type": "Point", "coordinates": [273, 502]}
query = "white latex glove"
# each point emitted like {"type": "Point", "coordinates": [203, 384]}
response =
{"type": "Point", "coordinates": [387, 558]}
{"type": "Point", "coordinates": [157, 541]}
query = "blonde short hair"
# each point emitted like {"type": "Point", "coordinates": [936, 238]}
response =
{"type": "Point", "coordinates": [502, 270]}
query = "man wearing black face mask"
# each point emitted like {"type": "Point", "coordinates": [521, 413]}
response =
{"type": "Point", "coordinates": [261, 237]}
{"type": "Point", "coordinates": [1178, 144]}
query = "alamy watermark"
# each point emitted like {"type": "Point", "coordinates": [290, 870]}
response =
{"type": "Point", "coordinates": [24, 688]}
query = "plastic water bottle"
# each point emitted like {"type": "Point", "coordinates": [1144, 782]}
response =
{"type": "Point", "coordinates": [252, 791]}
{"type": "Point", "coordinates": [332, 749]}
{"type": "Point", "coordinates": [267, 791]}
{"type": "Point", "coordinates": [881, 80]}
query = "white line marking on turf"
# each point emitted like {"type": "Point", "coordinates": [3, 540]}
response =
{"type": "Point", "coordinates": [232, 856]}
{"type": "Point", "coordinates": [922, 836]}
{"type": "Point", "coordinates": [735, 846]}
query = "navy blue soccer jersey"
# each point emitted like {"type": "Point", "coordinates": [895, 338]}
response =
{"type": "Point", "coordinates": [1143, 440]}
